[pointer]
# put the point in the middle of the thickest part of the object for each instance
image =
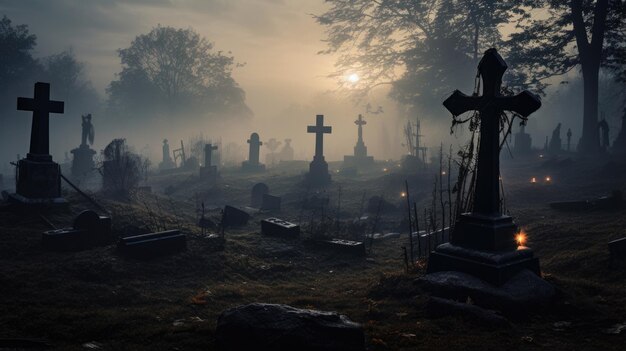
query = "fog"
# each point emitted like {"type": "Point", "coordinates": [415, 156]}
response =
{"type": "Point", "coordinates": [284, 79]}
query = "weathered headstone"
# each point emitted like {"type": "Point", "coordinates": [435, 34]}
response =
{"type": "Point", "coordinates": [234, 216]}
{"type": "Point", "coordinates": [89, 229]}
{"type": "Point", "coordinates": [153, 244]}
{"type": "Point", "coordinates": [318, 169]}
{"type": "Point", "coordinates": [270, 202]}
{"type": "Point", "coordinates": [286, 153]}
{"type": "Point", "coordinates": [360, 157]}
{"type": "Point", "coordinates": [483, 242]}
{"type": "Point", "coordinates": [523, 142]}
{"type": "Point", "coordinates": [82, 164]}
{"type": "Point", "coordinates": [256, 196]}
{"type": "Point", "coordinates": [555, 141]}
{"type": "Point", "coordinates": [278, 227]}
{"type": "Point", "coordinates": [166, 162]}
{"type": "Point", "coordinates": [208, 171]}
{"type": "Point", "coordinates": [38, 177]}
{"type": "Point", "coordinates": [272, 158]}
{"type": "Point", "coordinates": [253, 165]}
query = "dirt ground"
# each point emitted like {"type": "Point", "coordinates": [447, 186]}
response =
{"type": "Point", "coordinates": [98, 299]}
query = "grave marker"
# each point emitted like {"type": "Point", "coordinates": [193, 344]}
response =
{"type": "Point", "coordinates": [360, 157]}
{"type": "Point", "coordinates": [318, 169]}
{"type": "Point", "coordinates": [256, 196]}
{"type": "Point", "coordinates": [483, 241]}
{"type": "Point", "coordinates": [82, 164]}
{"type": "Point", "coordinates": [253, 165]}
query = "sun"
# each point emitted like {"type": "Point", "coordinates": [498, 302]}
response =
{"type": "Point", "coordinates": [353, 78]}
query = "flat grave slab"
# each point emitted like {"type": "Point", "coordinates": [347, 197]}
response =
{"type": "Point", "coordinates": [153, 244]}
{"type": "Point", "coordinates": [278, 227]}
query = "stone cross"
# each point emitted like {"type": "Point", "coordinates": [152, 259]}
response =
{"type": "Point", "coordinates": [41, 106]}
{"type": "Point", "coordinates": [360, 122]}
{"type": "Point", "coordinates": [208, 150]}
{"type": "Point", "coordinates": [319, 129]}
{"type": "Point", "coordinates": [490, 105]}
{"type": "Point", "coordinates": [255, 144]}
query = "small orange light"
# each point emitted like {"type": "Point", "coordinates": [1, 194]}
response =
{"type": "Point", "coordinates": [443, 173]}
{"type": "Point", "coordinates": [533, 180]}
{"type": "Point", "coordinates": [385, 169]}
{"type": "Point", "coordinates": [548, 179]}
{"type": "Point", "coordinates": [403, 194]}
{"type": "Point", "coordinates": [540, 156]}
{"type": "Point", "coordinates": [521, 238]}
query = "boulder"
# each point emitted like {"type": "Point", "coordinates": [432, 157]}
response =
{"type": "Point", "coordinates": [260, 326]}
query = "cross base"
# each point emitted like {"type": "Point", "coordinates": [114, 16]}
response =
{"type": "Point", "coordinates": [485, 233]}
{"type": "Point", "coordinates": [247, 166]}
{"type": "Point", "coordinates": [318, 172]}
{"type": "Point", "coordinates": [209, 173]}
{"type": "Point", "coordinates": [493, 267]}
{"type": "Point", "coordinates": [38, 181]}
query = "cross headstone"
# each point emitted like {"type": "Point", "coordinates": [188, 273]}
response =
{"type": "Point", "coordinates": [208, 151]}
{"type": "Point", "coordinates": [483, 242]}
{"type": "Point", "coordinates": [360, 157]}
{"type": "Point", "coordinates": [253, 154]}
{"type": "Point", "coordinates": [42, 107]}
{"type": "Point", "coordinates": [38, 177]}
{"type": "Point", "coordinates": [318, 169]}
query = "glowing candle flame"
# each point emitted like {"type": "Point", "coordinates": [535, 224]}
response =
{"type": "Point", "coordinates": [443, 173]}
{"type": "Point", "coordinates": [533, 180]}
{"type": "Point", "coordinates": [403, 194]}
{"type": "Point", "coordinates": [548, 179]}
{"type": "Point", "coordinates": [385, 169]}
{"type": "Point", "coordinates": [521, 238]}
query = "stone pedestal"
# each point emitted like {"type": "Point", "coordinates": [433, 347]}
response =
{"type": "Point", "coordinates": [209, 173]}
{"type": "Point", "coordinates": [318, 172]}
{"type": "Point", "coordinates": [248, 166]}
{"type": "Point", "coordinates": [82, 164]}
{"type": "Point", "coordinates": [484, 247]}
{"type": "Point", "coordinates": [522, 144]}
{"type": "Point", "coordinates": [38, 181]}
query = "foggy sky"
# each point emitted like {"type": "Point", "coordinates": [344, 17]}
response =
{"type": "Point", "coordinates": [283, 77]}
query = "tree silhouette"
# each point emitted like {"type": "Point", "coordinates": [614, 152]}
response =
{"type": "Point", "coordinates": [586, 34]}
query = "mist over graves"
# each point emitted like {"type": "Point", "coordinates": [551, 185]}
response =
{"type": "Point", "coordinates": [324, 175]}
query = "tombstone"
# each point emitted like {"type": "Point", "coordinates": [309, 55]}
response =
{"type": "Point", "coordinates": [256, 196]}
{"type": "Point", "coordinates": [278, 227]}
{"type": "Point", "coordinates": [286, 153]}
{"type": "Point", "coordinates": [89, 229]}
{"type": "Point", "coordinates": [604, 140]}
{"type": "Point", "coordinates": [153, 244]}
{"type": "Point", "coordinates": [483, 243]}
{"type": "Point", "coordinates": [270, 202]}
{"type": "Point", "coordinates": [619, 145]}
{"type": "Point", "coordinates": [208, 171]}
{"type": "Point", "coordinates": [167, 162]}
{"type": "Point", "coordinates": [318, 169]}
{"type": "Point", "coordinates": [348, 247]}
{"type": "Point", "coordinates": [38, 178]}
{"type": "Point", "coordinates": [523, 142]}
{"type": "Point", "coordinates": [360, 157]}
{"type": "Point", "coordinates": [253, 165]}
{"type": "Point", "coordinates": [82, 164]}
{"type": "Point", "coordinates": [569, 138]}
{"type": "Point", "coordinates": [272, 158]}
{"type": "Point", "coordinates": [234, 216]}
{"type": "Point", "coordinates": [555, 141]}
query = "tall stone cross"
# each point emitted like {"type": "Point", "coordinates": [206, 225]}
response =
{"type": "Point", "coordinates": [360, 122]}
{"type": "Point", "coordinates": [255, 144]}
{"type": "Point", "coordinates": [319, 129]}
{"type": "Point", "coordinates": [41, 106]}
{"type": "Point", "coordinates": [208, 150]}
{"type": "Point", "coordinates": [490, 106]}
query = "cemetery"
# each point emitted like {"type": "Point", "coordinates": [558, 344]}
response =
{"type": "Point", "coordinates": [482, 219]}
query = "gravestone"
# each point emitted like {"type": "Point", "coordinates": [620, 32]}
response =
{"type": "Point", "coordinates": [604, 133]}
{"type": "Point", "coordinates": [38, 177]}
{"type": "Point", "coordinates": [82, 164]}
{"type": "Point", "coordinates": [167, 162]}
{"type": "Point", "coordinates": [278, 227]}
{"type": "Point", "coordinates": [256, 196]}
{"type": "Point", "coordinates": [523, 142]}
{"type": "Point", "coordinates": [89, 229]}
{"type": "Point", "coordinates": [318, 169]}
{"type": "Point", "coordinates": [253, 165]}
{"type": "Point", "coordinates": [360, 157]}
{"type": "Point", "coordinates": [208, 171]}
{"type": "Point", "coordinates": [483, 241]}
{"type": "Point", "coordinates": [286, 153]}
{"type": "Point", "coordinates": [153, 244]}
{"type": "Point", "coordinates": [272, 158]}
{"type": "Point", "coordinates": [569, 138]}
{"type": "Point", "coordinates": [270, 202]}
{"type": "Point", "coordinates": [555, 141]}
{"type": "Point", "coordinates": [234, 216]}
